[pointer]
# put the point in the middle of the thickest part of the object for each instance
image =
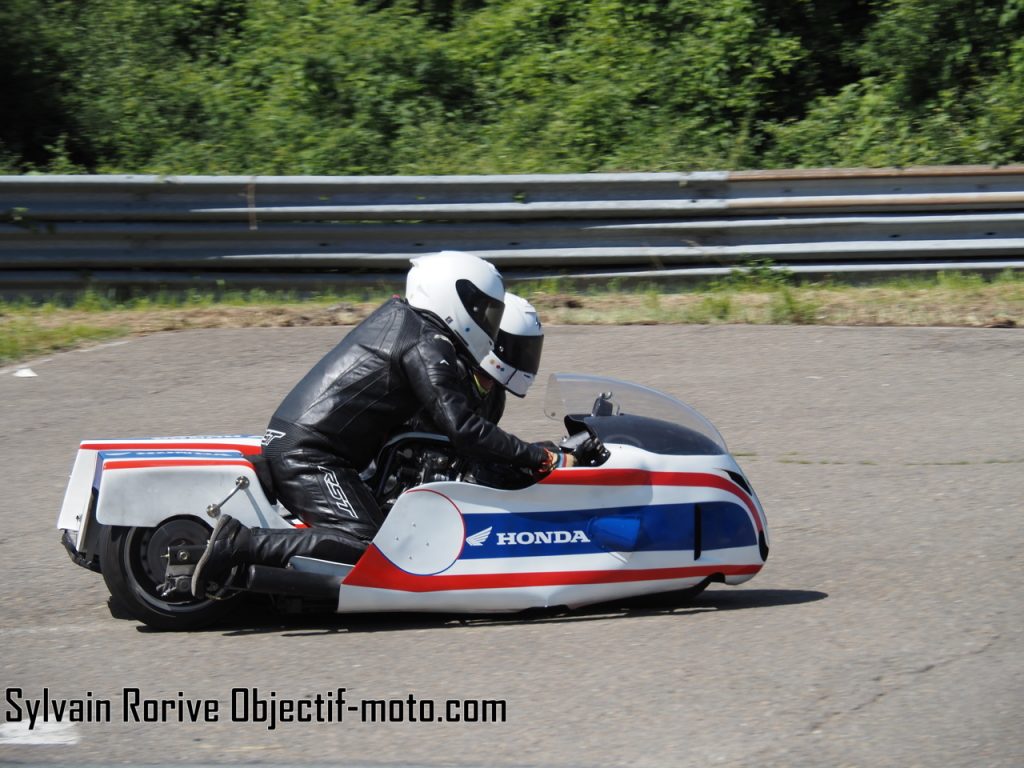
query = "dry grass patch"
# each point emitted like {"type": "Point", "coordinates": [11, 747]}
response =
{"type": "Point", "coordinates": [27, 330]}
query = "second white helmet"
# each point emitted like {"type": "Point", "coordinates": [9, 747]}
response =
{"type": "Point", "coordinates": [515, 359]}
{"type": "Point", "coordinates": [463, 291]}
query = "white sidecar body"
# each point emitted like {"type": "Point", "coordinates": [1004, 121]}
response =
{"type": "Point", "coordinates": [667, 509]}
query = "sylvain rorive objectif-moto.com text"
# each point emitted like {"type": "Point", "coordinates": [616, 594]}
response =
{"type": "Point", "coordinates": [245, 705]}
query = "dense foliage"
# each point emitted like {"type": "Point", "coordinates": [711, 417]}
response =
{"type": "Point", "coordinates": [507, 86]}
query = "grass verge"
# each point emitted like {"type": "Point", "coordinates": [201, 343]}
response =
{"type": "Point", "coordinates": [751, 296]}
{"type": "Point", "coordinates": [24, 336]}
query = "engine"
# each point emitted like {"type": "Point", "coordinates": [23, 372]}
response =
{"type": "Point", "coordinates": [411, 460]}
{"type": "Point", "coordinates": [419, 458]}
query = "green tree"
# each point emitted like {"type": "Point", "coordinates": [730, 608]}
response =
{"type": "Point", "coordinates": [939, 84]}
{"type": "Point", "coordinates": [506, 86]}
{"type": "Point", "coordinates": [33, 86]}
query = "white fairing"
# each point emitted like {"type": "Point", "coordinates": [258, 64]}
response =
{"type": "Point", "coordinates": [145, 497]}
{"type": "Point", "coordinates": [74, 512]}
{"type": "Point", "coordinates": [558, 542]}
{"type": "Point", "coordinates": [424, 532]}
{"type": "Point", "coordinates": [141, 482]}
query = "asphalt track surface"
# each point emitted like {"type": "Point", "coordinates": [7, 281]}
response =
{"type": "Point", "coordinates": [885, 629]}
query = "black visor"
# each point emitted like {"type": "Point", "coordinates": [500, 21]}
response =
{"type": "Point", "coordinates": [485, 310]}
{"type": "Point", "coordinates": [520, 352]}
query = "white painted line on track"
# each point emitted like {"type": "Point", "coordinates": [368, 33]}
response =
{"type": "Point", "coordinates": [39, 361]}
{"type": "Point", "coordinates": [23, 365]}
{"type": "Point", "coordinates": [44, 734]}
{"type": "Point", "coordinates": [105, 345]}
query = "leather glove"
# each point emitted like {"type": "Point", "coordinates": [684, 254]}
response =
{"type": "Point", "coordinates": [591, 453]}
{"type": "Point", "coordinates": [557, 459]}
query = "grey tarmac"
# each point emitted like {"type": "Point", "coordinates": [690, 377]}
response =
{"type": "Point", "coordinates": [885, 630]}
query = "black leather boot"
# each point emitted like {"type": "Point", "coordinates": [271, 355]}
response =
{"type": "Point", "coordinates": [228, 546]}
{"type": "Point", "coordinates": [275, 546]}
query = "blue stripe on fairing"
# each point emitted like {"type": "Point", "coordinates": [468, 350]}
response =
{"type": "Point", "coordinates": [137, 453]}
{"type": "Point", "coordinates": [660, 528]}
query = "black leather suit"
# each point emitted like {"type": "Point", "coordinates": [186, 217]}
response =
{"type": "Point", "coordinates": [397, 364]}
{"type": "Point", "coordinates": [489, 405]}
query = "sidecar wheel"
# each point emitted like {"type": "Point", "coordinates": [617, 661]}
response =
{"type": "Point", "coordinates": [133, 567]}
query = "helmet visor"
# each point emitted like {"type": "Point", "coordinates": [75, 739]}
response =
{"type": "Point", "coordinates": [520, 352]}
{"type": "Point", "coordinates": [485, 310]}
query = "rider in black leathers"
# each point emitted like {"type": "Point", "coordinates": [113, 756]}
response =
{"type": "Point", "coordinates": [396, 364]}
{"type": "Point", "coordinates": [510, 367]}
{"type": "Point", "coordinates": [399, 362]}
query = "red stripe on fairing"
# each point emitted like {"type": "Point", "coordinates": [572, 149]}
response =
{"type": "Point", "coordinates": [583, 476]}
{"type": "Point", "coordinates": [243, 448]}
{"type": "Point", "coordinates": [144, 463]}
{"type": "Point", "coordinates": [376, 571]}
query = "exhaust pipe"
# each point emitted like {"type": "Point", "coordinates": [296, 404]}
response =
{"type": "Point", "coordinates": [285, 581]}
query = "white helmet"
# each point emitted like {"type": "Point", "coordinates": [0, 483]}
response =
{"type": "Point", "coordinates": [463, 291]}
{"type": "Point", "coordinates": [515, 360]}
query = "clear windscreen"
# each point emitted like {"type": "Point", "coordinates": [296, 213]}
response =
{"type": "Point", "coordinates": [582, 395]}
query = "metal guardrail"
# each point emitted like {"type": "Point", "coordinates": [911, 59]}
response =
{"type": "Point", "coordinates": [65, 232]}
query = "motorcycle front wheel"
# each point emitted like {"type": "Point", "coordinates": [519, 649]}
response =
{"type": "Point", "coordinates": [133, 562]}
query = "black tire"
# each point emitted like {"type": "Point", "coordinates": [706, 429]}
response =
{"type": "Point", "coordinates": [133, 565]}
